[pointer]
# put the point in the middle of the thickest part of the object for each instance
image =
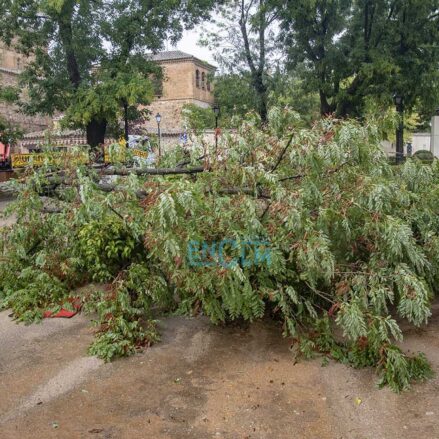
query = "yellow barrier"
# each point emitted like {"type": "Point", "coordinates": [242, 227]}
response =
{"type": "Point", "coordinates": [24, 160]}
{"type": "Point", "coordinates": [37, 159]}
{"type": "Point", "coordinates": [139, 153]}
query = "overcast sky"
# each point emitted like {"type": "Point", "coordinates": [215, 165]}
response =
{"type": "Point", "coordinates": [189, 45]}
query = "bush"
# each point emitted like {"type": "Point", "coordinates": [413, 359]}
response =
{"type": "Point", "coordinates": [424, 155]}
{"type": "Point", "coordinates": [105, 245]}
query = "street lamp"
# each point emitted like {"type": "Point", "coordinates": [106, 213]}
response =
{"type": "Point", "coordinates": [158, 118]}
{"type": "Point", "coordinates": [399, 104]}
{"type": "Point", "coordinates": [217, 111]}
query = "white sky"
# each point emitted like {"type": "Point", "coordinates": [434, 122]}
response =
{"type": "Point", "coordinates": [189, 44]}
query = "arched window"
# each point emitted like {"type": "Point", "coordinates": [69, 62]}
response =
{"type": "Point", "coordinates": [203, 80]}
{"type": "Point", "coordinates": [197, 78]}
{"type": "Point", "coordinates": [208, 84]}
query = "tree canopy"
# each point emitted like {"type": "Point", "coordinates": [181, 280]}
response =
{"type": "Point", "coordinates": [89, 59]}
{"type": "Point", "coordinates": [243, 42]}
{"type": "Point", "coordinates": [354, 50]}
{"type": "Point", "coordinates": [8, 132]}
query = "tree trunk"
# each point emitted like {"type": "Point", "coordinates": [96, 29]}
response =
{"type": "Point", "coordinates": [96, 133]}
{"type": "Point", "coordinates": [261, 92]}
{"type": "Point", "coordinates": [66, 36]}
{"type": "Point", "coordinates": [257, 69]}
{"type": "Point", "coordinates": [325, 107]}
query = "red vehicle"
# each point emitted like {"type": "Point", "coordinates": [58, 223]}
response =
{"type": "Point", "coordinates": [5, 156]}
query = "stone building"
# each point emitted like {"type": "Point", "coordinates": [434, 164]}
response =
{"type": "Point", "coordinates": [11, 65]}
{"type": "Point", "coordinates": [187, 80]}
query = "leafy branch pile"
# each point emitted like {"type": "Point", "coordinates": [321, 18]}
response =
{"type": "Point", "coordinates": [354, 242]}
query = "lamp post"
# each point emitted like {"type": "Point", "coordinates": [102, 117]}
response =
{"type": "Point", "coordinates": [127, 130]}
{"type": "Point", "coordinates": [434, 147]}
{"type": "Point", "coordinates": [158, 118]}
{"type": "Point", "coordinates": [399, 104]}
{"type": "Point", "coordinates": [217, 111]}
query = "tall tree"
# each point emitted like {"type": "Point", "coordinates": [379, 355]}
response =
{"type": "Point", "coordinates": [352, 50]}
{"type": "Point", "coordinates": [87, 58]}
{"type": "Point", "coordinates": [243, 40]}
{"type": "Point", "coordinates": [309, 32]}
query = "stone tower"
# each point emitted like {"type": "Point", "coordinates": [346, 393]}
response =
{"type": "Point", "coordinates": [187, 80]}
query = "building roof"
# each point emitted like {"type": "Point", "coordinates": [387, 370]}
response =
{"type": "Point", "coordinates": [177, 55]}
{"type": "Point", "coordinates": [7, 70]}
{"type": "Point", "coordinates": [62, 138]}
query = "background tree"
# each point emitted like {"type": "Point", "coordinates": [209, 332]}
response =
{"type": "Point", "coordinates": [235, 96]}
{"type": "Point", "coordinates": [88, 58]}
{"type": "Point", "coordinates": [8, 132]}
{"type": "Point", "coordinates": [243, 42]}
{"type": "Point", "coordinates": [289, 89]}
{"type": "Point", "coordinates": [309, 31]}
{"type": "Point", "coordinates": [354, 49]}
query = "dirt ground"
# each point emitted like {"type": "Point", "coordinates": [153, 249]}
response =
{"type": "Point", "coordinates": [200, 381]}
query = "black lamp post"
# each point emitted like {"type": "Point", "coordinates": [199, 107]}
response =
{"type": "Point", "coordinates": [158, 118]}
{"type": "Point", "coordinates": [217, 111]}
{"type": "Point", "coordinates": [127, 130]}
{"type": "Point", "coordinates": [399, 104]}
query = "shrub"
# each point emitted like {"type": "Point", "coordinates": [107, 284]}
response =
{"type": "Point", "coordinates": [424, 155]}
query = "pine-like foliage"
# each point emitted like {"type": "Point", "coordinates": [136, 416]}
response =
{"type": "Point", "coordinates": [353, 243]}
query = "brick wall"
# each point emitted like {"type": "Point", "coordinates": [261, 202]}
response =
{"type": "Point", "coordinates": [180, 80]}
{"type": "Point", "coordinates": [10, 59]}
{"type": "Point", "coordinates": [171, 112]}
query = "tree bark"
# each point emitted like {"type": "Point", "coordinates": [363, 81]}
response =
{"type": "Point", "coordinates": [261, 91]}
{"type": "Point", "coordinates": [66, 36]}
{"type": "Point", "coordinates": [96, 130]}
{"type": "Point", "coordinates": [325, 107]}
{"type": "Point", "coordinates": [153, 171]}
{"type": "Point", "coordinates": [257, 67]}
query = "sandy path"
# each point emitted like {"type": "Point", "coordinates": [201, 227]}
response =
{"type": "Point", "coordinates": [200, 382]}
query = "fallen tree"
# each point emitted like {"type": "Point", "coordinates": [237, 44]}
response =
{"type": "Point", "coordinates": [310, 226]}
